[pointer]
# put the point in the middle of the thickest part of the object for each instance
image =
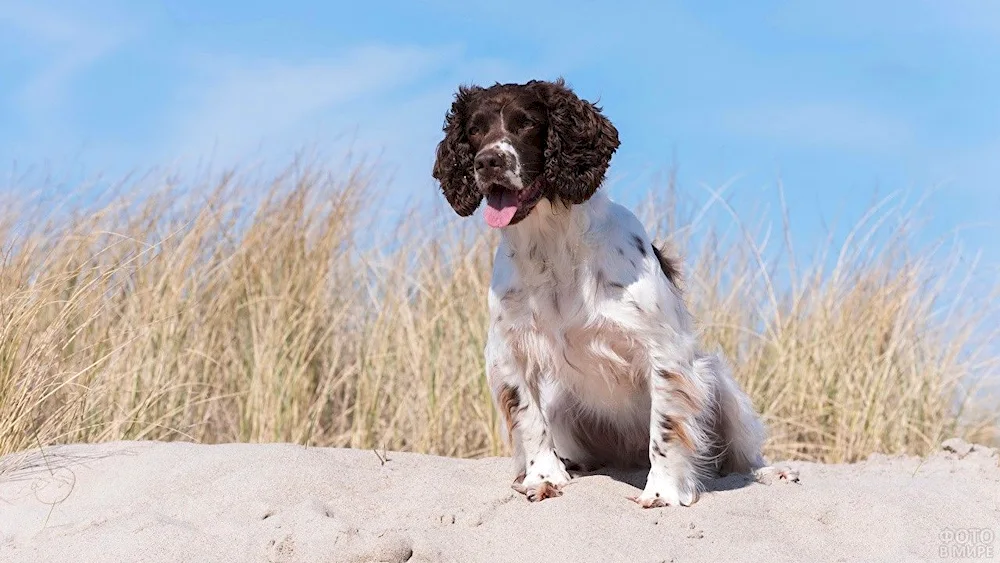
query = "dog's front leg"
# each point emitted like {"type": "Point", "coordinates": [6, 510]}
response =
{"type": "Point", "coordinates": [544, 473]}
{"type": "Point", "coordinates": [541, 474]}
{"type": "Point", "coordinates": [676, 436]}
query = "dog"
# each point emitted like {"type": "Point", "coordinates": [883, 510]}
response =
{"type": "Point", "coordinates": [591, 357]}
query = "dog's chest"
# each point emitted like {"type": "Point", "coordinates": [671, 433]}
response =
{"type": "Point", "coordinates": [559, 315]}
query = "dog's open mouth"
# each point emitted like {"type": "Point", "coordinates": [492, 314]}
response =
{"type": "Point", "coordinates": [504, 204]}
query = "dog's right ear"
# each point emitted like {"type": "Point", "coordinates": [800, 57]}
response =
{"type": "Point", "coordinates": [453, 167]}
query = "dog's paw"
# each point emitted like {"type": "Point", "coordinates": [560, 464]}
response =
{"type": "Point", "coordinates": [539, 491]}
{"type": "Point", "coordinates": [771, 474]}
{"type": "Point", "coordinates": [666, 490]}
{"type": "Point", "coordinates": [545, 478]}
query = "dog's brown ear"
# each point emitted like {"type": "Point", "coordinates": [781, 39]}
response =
{"type": "Point", "coordinates": [579, 145]}
{"type": "Point", "coordinates": [453, 167]}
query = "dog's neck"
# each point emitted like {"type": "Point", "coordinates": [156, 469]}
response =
{"type": "Point", "coordinates": [553, 230]}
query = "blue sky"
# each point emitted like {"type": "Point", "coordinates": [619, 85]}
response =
{"type": "Point", "coordinates": [840, 100]}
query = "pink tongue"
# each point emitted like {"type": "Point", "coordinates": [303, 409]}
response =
{"type": "Point", "coordinates": [501, 205]}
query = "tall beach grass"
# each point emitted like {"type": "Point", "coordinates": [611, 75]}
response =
{"type": "Point", "coordinates": [287, 310]}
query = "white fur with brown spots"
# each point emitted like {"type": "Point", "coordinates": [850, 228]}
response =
{"type": "Point", "coordinates": [595, 343]}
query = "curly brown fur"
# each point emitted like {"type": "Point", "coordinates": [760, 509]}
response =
{"type": "Point", "coordinates": [454, 164]}
{"type": "Point", "coordinates": [579, 145]}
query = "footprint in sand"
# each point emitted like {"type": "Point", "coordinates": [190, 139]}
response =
{"type": "Point", "coordinates": [311, 531]}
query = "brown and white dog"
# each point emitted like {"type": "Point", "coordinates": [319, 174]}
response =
{"type": "Point", "coordinates": [591, 356]}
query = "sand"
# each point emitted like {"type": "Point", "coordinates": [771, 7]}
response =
{"type": "Point", "coordinates": [182, 502]}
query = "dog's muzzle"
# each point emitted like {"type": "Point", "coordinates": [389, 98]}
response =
{"type": "Point", "coordinates": [492, 161]}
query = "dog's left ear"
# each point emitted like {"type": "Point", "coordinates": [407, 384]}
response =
{"type": "Point", "coordinates": [453, 167]}
{"type": "Point", "coordinates": [579, 144]}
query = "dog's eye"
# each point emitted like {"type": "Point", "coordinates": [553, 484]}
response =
{"type": "Point", "coordinates": [473, 131]}
{"type": "Point", "coordinates": [522, 123]}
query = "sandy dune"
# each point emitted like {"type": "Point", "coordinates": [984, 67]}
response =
{"type": "Point", "coordinates": [179, 502]}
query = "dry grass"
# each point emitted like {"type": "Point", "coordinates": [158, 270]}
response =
{"type": "Point", "coordinates": [245, 311]}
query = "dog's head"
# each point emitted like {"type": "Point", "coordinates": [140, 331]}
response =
{"type": "Point", "coordinates": [515, 144]}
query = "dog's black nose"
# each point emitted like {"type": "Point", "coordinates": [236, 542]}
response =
{"type": "Point", "coordinates": [488, 160]}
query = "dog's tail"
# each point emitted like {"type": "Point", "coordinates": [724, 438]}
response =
{"type": "Point", "coordinates": [739, 432]}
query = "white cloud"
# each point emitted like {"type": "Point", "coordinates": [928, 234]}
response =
{"type": "Point", "coordinates": [827, 125]}
{"type": "Point", "coordinates": [64, 42]}
{"type": "Point", "coordinates": [233, 104]}
{"type": "Point", "coordinates": [981, 17]}
{"type": "Point", "coordinates": [893, 18]}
